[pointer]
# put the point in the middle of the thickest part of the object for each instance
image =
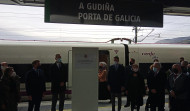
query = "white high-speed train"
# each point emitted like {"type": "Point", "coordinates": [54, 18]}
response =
{"type": "Point", "coordinates": [21, 54]}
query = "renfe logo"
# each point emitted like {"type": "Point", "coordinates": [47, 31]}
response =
{"type": "Point", "coordinates": [148, 53]}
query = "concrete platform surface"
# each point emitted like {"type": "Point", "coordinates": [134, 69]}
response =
{"type": "Point", "coordinates": [103, 105]}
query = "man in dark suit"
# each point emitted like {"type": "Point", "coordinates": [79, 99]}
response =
{"type": "Point", "coordinates": [35, 86]}
{"type": "Point", "coordinates": [179, 89]}
{"type": "Point", "coordinates": [156, 81]}
{"type": "Point", "coordinates": [58, 83]}
{"type": "Point", "coordinates": [128, 70]}
{"type": "Point", "coordinates": [116, 82]}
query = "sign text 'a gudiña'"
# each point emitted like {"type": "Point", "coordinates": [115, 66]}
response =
{"type": "Point", "coordinates": [108, 15]}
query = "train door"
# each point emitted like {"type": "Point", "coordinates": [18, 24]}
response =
{"type": "Point", "coordinates": [104, 56]}
{"type": "Point", "coordinates": [126, 55]}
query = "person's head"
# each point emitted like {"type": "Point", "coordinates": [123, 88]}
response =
{"type": "Point", "coordinates": [156, 66]}
{"type": "Point", "coordinates": [116, 59]}
{"type": "Point", "coordinates": [156, 60]}
{"type": "Point", "coordinates": [188, 66]}
{"type": "Point", "coordinates": [135, 67]}
{"type": "Point", "coordinates": [9, 71]}
{"type": "Point", "coordinates": [132, 61]}
{"type": "Point", "coordinates": [36, 64]}
{"type": "Point", "coordinates": [181, 59]}
{"type": "Point", "coordinates": [58, 58]}
{"type": "Point", "coordinates": [184, 64]}
{"type": "Point", "coordinates": [102, 65]}
{"type": "Point", "coordinates": [176, 69]}
{"type": "Point", "coordinates": [4, 65]}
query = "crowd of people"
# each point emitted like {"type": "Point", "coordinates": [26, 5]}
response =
{"type": "Point", "coordinates": [35, 86]}
{"type": "Point", "coordinates": [113, 81]}
{"type": "Point", "coordinates": [129, 79]}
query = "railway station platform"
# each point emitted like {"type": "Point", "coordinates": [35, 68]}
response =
{"type": "Point", "coordinates": [103, 105]}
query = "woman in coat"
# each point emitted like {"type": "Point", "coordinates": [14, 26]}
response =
{"type": "Point", "coordinates": [102, 77]}
{"type": "Point", "coordinates": [135, 88]}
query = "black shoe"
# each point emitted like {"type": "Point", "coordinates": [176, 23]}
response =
{"type": "Point", "coordinates": [127, 105]}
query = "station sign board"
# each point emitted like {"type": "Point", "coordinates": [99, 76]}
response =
{"type": "Point", "coordinates": [104, 12]}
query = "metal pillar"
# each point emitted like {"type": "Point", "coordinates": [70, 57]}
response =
{"type": "Point", "coordinates": [112, 41]}
{"type": "Point", "coordinates": [135, 35]}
